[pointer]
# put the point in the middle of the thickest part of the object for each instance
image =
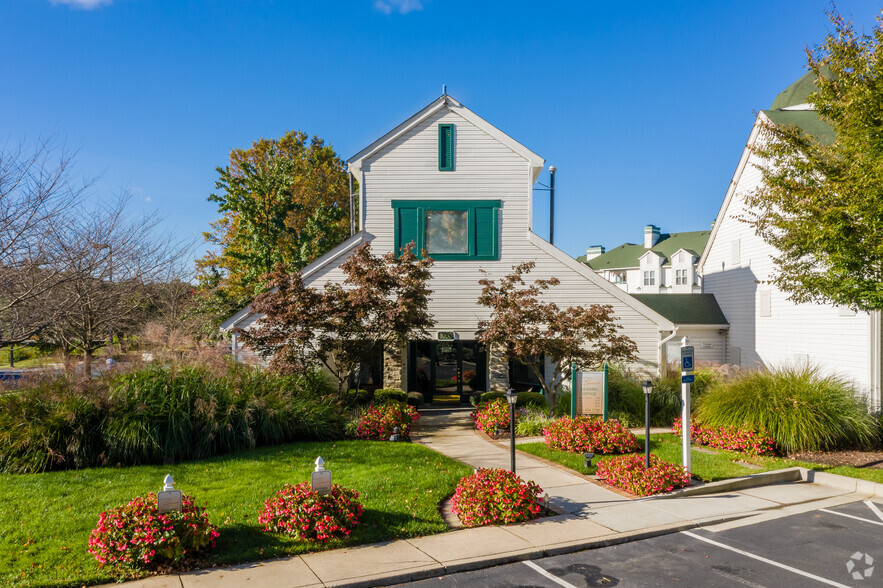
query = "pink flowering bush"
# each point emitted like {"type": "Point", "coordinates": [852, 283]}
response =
{"type": "Point", "coordinates": [137, 535]}
{"type": "Point", "coordinates": [304, 514]}
{"type": "Point", "coordinates": [744, 439]}
{"type": "Point", "coordinates": [494, 497]}
{"type": "Point", "coordinates": [583, 434]}
{"type": "Point", "coordinates": [627, 472]}
{"type": "Point", "coordinates": [379, 421]}
{"type": "Point", "coordinates": [492, 417]}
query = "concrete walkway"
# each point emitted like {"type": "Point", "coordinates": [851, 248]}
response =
{"type": "Point", "coordinates": [594, 516]}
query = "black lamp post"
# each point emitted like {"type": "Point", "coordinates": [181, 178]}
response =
{"type": "Point", "coordinates": [648, 390]}
{"type": "Point", "coordinates": [512, 398]}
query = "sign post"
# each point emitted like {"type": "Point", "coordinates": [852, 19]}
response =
{"type": "Point", "coordinates": [169, 499]}
{"type": "Point", "coordinates": [687, 361]}
{"type": "Point", "coordinates": [320, 479]}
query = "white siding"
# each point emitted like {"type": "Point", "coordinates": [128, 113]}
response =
{"type": "Point", "coordinates": [735, 262]}
{"type": "Point", "coordinates": [407, 168]}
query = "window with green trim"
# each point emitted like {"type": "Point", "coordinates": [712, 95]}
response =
{"type": "Point", "coordinates": [448, 229]}
{"type": "Point", "coordinates": [446, 147]}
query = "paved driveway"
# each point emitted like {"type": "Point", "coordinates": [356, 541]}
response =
{"type": "Point", "coordinates": [838, 546]}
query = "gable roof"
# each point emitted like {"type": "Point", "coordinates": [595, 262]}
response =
{"type": "Point", "coordinates": [355, 162]}
{"type": "Point", "coordinates": [662, 322]}
{"type": "Point", "coordinates": [807, 120]}
{"type": "Point", "coordinates": [628, 255]}
{"type": "Point", "coordinates": [686, 309]}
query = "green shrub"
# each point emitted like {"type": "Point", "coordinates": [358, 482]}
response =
{"type": "Point", "coordinates": [800, 408]}
{"type": "Point", "coordinates": [530, 422]}
{"type": "Point", "coordinates": [415, 399]}
{"type": "Point", "coordinates": [390, 394]}
{"type": "Point", "coordinates": [625, 419]}
{"type": "Point", "coordinates": [491, 396]}
{"type": "Point", "coordinates": [524, 398]}
{"type": "Point", "coordinates": [51, 426]}
{"type": "Point", "coordinates": [562, 404]}
{"type": "Point", "coordinates": [161, 414]}
{"type": "Point", "coordinates": [625, 396]}
{"type": "Point", "coordinates": [354, 398]}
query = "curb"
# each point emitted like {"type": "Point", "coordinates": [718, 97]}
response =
{"type": "Point", "coordinates": [735, 484]}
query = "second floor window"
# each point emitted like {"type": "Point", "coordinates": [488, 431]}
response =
{"type": "Point", "coordinates": [448, 229]}
{"type": "Point", "coordinates": [681, 277]}
{"type": "Point", "coordinates": [619, 278]}
{"type": "Point", "coordinates": [650, 278]}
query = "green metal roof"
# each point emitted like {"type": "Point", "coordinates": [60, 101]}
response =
{"type": "Point", "coordinates": [628, 254]}
{"type": "Point", "coordinates": [807, 120]}
{"type": "Point", "coordinates": [685, 309]}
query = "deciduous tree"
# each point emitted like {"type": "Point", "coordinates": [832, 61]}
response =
{"type": "Point", "coordinates": [526, 327]}
{"type": "Point", "coordinates": [284, 201]}
{"type": "Point", "coordinates": [821, 202]}
{"type": "Point", "coordinates": [382, 301]}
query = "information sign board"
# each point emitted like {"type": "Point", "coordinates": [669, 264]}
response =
{"type": "Point", "coordinates": [688, 379]}
{"type": "Point", "coordinates": [589, 393]}
{"type": "Point", "coordinates": [321, 481]}
{"type": "Point", "coordinates": [169, 500]}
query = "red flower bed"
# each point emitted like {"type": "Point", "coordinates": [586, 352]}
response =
{"type": "Point", "coordinates": [744, 439]}
{"type": "Point", "coordinates": [304, 514]}
{"type": "Point", "coordinates": [137, 535]}
{"type": "Point", "coordinates": [627, 472]}
{"type": "Point", "coordinates": [583, 434]}
{"type": "Point", "coordinates": [379, 421]}
{"type": "Point", "coordinates": [494, 497]}
{"type": "Point", "coordinates": [492, 417]}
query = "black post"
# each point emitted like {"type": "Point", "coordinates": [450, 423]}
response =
{"type": "Point", "coordinates": [646, 431]}
{"type": "Point", "coordinates": [552, 170]}
{"type": "Point", "coordinates": [512, 435]}
{"type": "Point", "coordinates": [11, 356]}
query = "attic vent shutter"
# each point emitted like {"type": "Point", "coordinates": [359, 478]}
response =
{"type": "Point", "coordinates": [445, 147]}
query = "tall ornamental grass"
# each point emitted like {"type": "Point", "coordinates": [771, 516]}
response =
{"type": "Point", "coordinates": [799, 407]}
{"type": "Point", "coordinates": [161, 414]}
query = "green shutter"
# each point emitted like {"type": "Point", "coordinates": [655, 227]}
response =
{"type": "Point", "coordinates": [445, 147]}
{"type": "Point", "coordinates": [486, 233]}
{"type": "Point", "coordinates": [406, 228]}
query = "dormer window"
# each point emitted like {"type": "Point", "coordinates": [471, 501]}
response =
{"type": "Point", "coordinates": [681, 277]}
{"type": "Point", "coordinates": [448, 229]}
{"type": "Point", "coordinates": [446, 147]}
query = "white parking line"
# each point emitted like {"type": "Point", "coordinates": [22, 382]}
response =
{"type": "Point", "coordinates": [874, 509]}
{"type": "Point", "coordinates": [765, 560]}
{"type": "Point", "coordinates": [849, 516]}
{"type": "Point", "coordinates": [552, 577]}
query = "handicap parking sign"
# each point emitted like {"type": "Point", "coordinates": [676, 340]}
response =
{"type": "Point", "coordinates": [687, 358]}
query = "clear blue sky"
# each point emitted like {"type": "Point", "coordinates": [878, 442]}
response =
{"type": "Point", "coordinates": [644, 107]}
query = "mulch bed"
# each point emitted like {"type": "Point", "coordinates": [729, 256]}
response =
{"type": "Point", "coordinates": [858, 459]}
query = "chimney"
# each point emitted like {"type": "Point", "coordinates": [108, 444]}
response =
{"type": "Point", "coordinates": [651, 236]}
{"type": "Point", "coordinates": [594, 251]}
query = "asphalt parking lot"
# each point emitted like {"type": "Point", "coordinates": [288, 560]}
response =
{"type": "Point", "coordinates": [839, 546]}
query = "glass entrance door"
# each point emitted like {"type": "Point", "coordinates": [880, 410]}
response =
{"type": "Point", "coordinates": [449, 369]}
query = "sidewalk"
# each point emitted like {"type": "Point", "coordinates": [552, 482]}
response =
{"type": "Point", "coordinates": [593, 516]}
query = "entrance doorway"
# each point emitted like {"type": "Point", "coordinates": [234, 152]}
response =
{"type": "Point", "coordinates": [447, 370]}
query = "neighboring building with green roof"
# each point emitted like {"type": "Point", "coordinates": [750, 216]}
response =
{"type": "Point", "coordinates": [766, 327]}
{"type": "Point", "coordinates": [665, 263]}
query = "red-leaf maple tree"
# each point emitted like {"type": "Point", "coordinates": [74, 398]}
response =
{"type": "Point", "coordinates": [526, 327]}
{"type": "Point", "coordinates": [382, 301]}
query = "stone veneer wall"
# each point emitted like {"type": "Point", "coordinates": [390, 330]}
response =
{"type": "Point", "coordinates": [393, 368]}
{"type": "Point", "coordinates": [498, 370]}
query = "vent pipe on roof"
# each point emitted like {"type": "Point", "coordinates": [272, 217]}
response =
{"type": "Point", "coordinates": [552, 170]}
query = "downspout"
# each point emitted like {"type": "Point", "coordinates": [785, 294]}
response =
{"type": "Point", "coordinates": [660, 353]}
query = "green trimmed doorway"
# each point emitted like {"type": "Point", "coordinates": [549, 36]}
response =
{"type": "Point", "coordinates": [447, 371]}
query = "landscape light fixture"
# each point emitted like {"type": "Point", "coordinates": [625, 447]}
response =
{"type": "Point", "coordinates": [395, 434]}
{"type": "Point", "coordinates": [589, 457]}
{"type": "Point", "coordinates": [648, 390]}
{"type": "Point", "coordinates": [512, 398]}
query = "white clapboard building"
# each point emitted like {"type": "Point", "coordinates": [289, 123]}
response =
{"type": "Point", "coordinates": [766, 329]}
{"type": "Point", "coordinates": [462, 190]}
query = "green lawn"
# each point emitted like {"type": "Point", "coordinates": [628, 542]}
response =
{"type": "Point", "coordinates": [708, 467]}
{"type": "Point", "coordinates": [45, 519]}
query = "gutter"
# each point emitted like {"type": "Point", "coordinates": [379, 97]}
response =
{"type": "Point", "coordinates": [659, 349]}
